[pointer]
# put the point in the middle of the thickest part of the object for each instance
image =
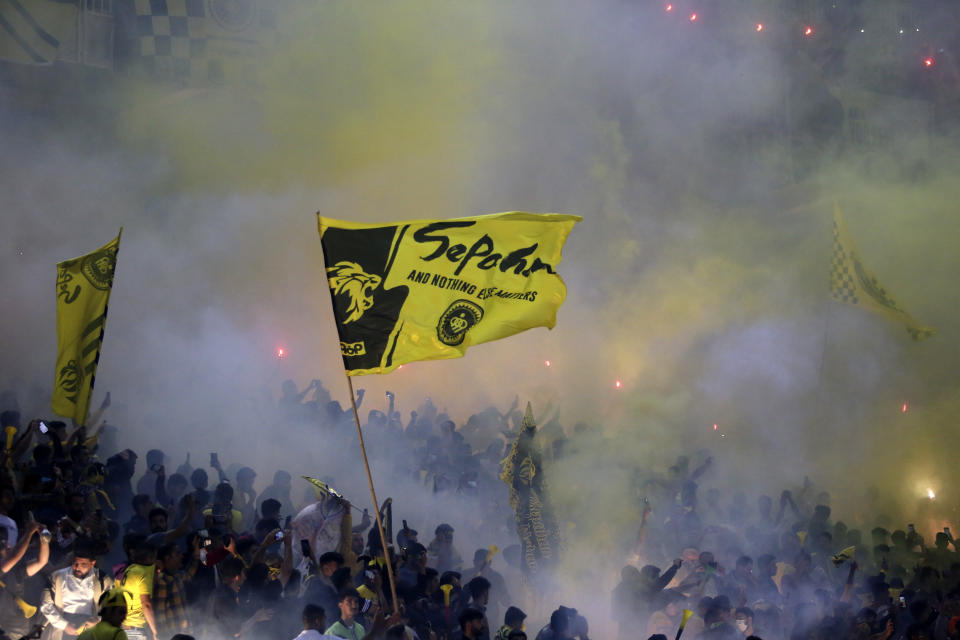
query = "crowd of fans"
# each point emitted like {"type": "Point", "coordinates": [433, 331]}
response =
{"type": "Point", "coordinates": [92, 546]}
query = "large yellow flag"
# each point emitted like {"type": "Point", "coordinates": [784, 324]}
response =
{"type": "Point", "coordinates": [83, 292]}
{"type": "Point", "coordinates": [853, 283]}
{"type": "Point", "coordinates": [429, 289]}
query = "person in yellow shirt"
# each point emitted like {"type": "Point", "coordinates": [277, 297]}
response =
{"type": "Point", "coordinates": [113, 610]}
{"type": "Point", "coordinates": [137, 583]}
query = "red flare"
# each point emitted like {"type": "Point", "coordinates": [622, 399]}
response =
{"type": "Point", "coordinates": [759, 27]}
{"type": "Point", "coordinates": [928, 62]}
{"type": "Point", "coordinates": [280, 353]}
{"type": "Point", "coordinates": [808, 31]}
{"type": "Point", "coordinates": [693, 17]}
{"type": "Point", "coordinates": [669, 7]}
{"type": "Point", "coordinates": [903, 409]}
{"type": "Point", "coordinates": [546, 363]}
{"type": "Point", "coordinates": [617, 384]}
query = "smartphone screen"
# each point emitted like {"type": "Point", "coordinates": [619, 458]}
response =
{"type": "Point", "coordinates": [43, 427]}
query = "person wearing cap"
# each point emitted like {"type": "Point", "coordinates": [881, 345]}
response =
{"type": "Point", "coordinates": [443, 555]}
{"type": "Point", "coordinates": [113, 611]}
{"type": "Point", "coordinates": [512, 621]}
{"type": "Point", "coordinates": [70, 602]}
{"type": "Point", "coordinates": [347, 626]}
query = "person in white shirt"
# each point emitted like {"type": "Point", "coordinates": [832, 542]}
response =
{"type": "Point", "coordinates": [70, 603]}
{"type": "Point", "coordinates": [314, 622]}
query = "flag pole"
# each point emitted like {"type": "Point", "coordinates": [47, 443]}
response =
{"type": "Point", "coordinates": [373, 494]}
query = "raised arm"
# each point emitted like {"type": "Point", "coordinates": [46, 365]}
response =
{"type": "Point", "coordinates": [16, 554]}
{"type": "Point", "coordinates": [183, 528]}
{"type": "Point", "coordinates": [42, 558]}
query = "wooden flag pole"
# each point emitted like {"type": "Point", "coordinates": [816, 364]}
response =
{"type": "Point", "coordinates": [373, 494]}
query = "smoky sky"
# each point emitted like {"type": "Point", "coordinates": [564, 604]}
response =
{"type": "Point", "coordinates": [704, 156]}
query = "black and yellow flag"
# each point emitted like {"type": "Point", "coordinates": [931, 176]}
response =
{"type": "Point", "coordinates": [853, 283]}
{"type": "Point", "coordinates": [32, 31]}
{"type": "Point", "coordinates": [83, 292]}
{"type": "Point", "coordinates": [429, 289]}
{"type": "Point", "coordinates": [522, 470]}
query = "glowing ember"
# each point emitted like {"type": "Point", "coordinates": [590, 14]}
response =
{"type": "Point", "coordinates": [930, 494]}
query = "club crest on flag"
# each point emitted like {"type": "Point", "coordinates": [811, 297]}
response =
{"type": "Point", "coordinates": [349, 280]}
{"type": "Point", "coordinates": [98, 267]}
{"type": "Point", "coordinates": [70, 379]}
{"type": "Point", "coordinates": [457, 320]}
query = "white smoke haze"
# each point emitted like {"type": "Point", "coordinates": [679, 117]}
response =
{"type": "Point", "coordinates": [698, 277]}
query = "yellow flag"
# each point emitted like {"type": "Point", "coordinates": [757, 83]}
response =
{"type": "Point", "coordinates": [83, 292]}
{"type": "Point", "coordinates": [853, 283]}
{"type": "Point", "coordinates": [31, 31]}
{"type": "Point", "coordinates": [429, 289]}
{"type": "Point", "coordinates": [321, 488]}
{"type": "Point", "coordinates": [847, 554]}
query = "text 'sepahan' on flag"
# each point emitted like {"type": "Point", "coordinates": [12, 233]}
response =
{"type": "Point", "coordinates": [430, 289]}
{"type": "Point", "coordinates": [853, 283]}
{"type": "Point", "coordinates": [83, 294]}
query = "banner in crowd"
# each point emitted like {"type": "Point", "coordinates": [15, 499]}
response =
{"type": "Point", "coordinates": [429, 289]}
{"type": "Point", "coordinates": [83, 293]}
{"type": "Point", "coordinates": [536, 527]}
{"type": "Point", "coordinates": [853, 283]}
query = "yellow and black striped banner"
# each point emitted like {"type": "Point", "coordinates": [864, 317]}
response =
{"type": "Point", "coordinates": [83, 293]}
{"type": "Point", "coordinates": [31, 31]}
{"type": "Point", "coordinates": [522, 471]}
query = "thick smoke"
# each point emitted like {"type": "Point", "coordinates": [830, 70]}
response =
{"type": "Point", "coordinates": [705, 165]}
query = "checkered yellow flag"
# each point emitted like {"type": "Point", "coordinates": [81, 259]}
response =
{"type": "Point", "coordinates": [853, 283]}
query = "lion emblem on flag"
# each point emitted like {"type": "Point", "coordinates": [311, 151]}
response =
{"type": "Point", "coordinates": [348, 279]}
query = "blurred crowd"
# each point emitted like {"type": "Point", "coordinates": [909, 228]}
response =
{"type": "Point", "coordinates": [96, 544]}
{"type": "Point", "coordinates": [784, 568]}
